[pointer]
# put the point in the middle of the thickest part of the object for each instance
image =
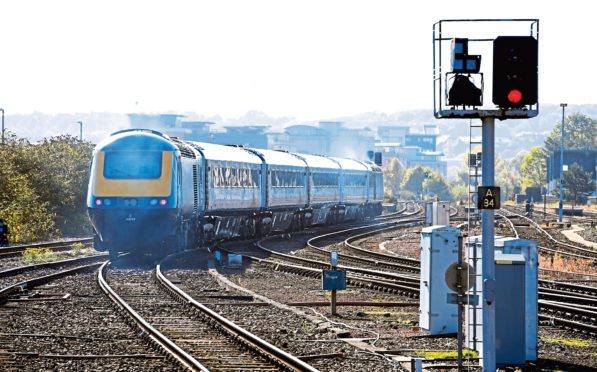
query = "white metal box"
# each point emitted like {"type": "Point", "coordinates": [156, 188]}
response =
{"type": "Point", "coordinates": [439, 249]}
{"type": "Point", "coordinates": [429, 214]}
{"type": "Point", "coordinates": [441, 213]}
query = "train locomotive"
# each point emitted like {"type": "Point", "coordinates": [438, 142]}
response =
{"type": "Point", "coordinates": [153, 194]}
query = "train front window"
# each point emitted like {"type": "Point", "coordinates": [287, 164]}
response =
{"type": "Point", "coordinates": [133, 164]}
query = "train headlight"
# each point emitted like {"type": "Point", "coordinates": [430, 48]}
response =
{"type": "Point", "coordinates": [107, 202]}
{"type": "Point", "coordinates": [153, 202]}
{"type": "Point", "coordinates": [98, 202]}
{"type": "Point", "coordinates": [133, 202]}
{"type": "Point", "coordinates": [163, 202]}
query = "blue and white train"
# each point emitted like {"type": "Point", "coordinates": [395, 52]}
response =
{"type": "Point", "coordinates": [151, 193]}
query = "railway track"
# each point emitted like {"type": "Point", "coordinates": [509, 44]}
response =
{"type": "Point", "coordinates": [194, 335]}
{"type": "Point", "coordinates": [555, 300]}
{"type": "Point", "coordinates": [21, 273]}
{"type": "Point", "coordinates": [562, 248]}
{"type": "Point", "coordinates": [59, 246]}
{"type": "Point", "coordinates": [21, 286]}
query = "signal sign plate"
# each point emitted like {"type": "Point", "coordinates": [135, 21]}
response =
{"type": "Point", "coordinates": [488, 197]}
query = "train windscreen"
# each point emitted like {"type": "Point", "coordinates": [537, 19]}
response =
{"type": "Point", "coordinates": [133, 164]}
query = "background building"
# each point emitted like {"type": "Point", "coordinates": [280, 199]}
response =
{"type": "Point", "coordinates": [411, 149]}
{"type": "Point", "coordinates": [587, 159]}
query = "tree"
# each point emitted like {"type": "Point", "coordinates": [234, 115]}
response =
{"type": "Point", "coordinates": [577, 182]}
{"type": "Point", "coordinates": [533, 168]}
{"type": "Point", "coordinates": [43, 187]}
{"type": "Point", "coordinates": [416, 182]}
{"type": "Point", "coordinates": [437, 185]}
{"type": "Point", "coordinates": [413, 180]}
{"type": "Point", "coordinates": [21, 207]}
{"type": "Point", "coordinates": [507, 177]}
{"type": "Point", "coordinates": [580, 132]}
{"type": "Point", "coordinates": [393, 174]}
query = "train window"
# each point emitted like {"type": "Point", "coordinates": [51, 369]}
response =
{"type": "Point", "coordinates": [282, 178]}
{"type": "Point", "coordinates": [325, 179]}
{"type": "Point", "coordinates": [355, 180]}
{"type": "Point", "coordinates": [234, 177]}
{"type": "Point", "coordinates": [133, 164]}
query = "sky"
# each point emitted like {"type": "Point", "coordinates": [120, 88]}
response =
{"type": "Point", "coordinates": [304, 59]}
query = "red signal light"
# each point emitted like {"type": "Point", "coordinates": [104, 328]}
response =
{"type": "Point", "coordinates": [98, 202]}
{"type": "Point", "coordinates": [163, 202]}
{"type": "Point", "coordinates": [514, 96]}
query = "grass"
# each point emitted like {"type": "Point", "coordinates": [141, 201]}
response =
{"type": "Point", "coordinates": [570, 342]}
{"type": "Point", "coordinates": [32, 255]}
{"type": "Point", "coordinates": [446, 354]}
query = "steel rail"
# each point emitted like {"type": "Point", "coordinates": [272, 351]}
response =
{"type": "Point", "coordinates": [592, 253]}
{"type": "Point", "coordinates": [274, 352]}
{"type": "Point", "coordinates": [11, 252]}
{"type": "Point", "coordinates": [34, 282]}
{"type": "Point", "coordinates": [569, 323]}
{"type": "Point", "coordinates": [324, 265]}
{"type": "Point", "coordinates": [23, 247]}
{"type": "Point", "coordinates": [52, 264]}
{"type": "Point", "coordinates": [183, 358]}
{"type": "Point", "coordinates": [412, 263]}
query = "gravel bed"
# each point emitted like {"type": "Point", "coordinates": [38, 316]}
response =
{"type": "Point", "coordinates": [361, 322]}
{"type": "Point", "coordinates": [88, 315]}
{"type": "Point", "coordinates": [589, 234]}
{"type": "Point", "coordinates": [295, 334]}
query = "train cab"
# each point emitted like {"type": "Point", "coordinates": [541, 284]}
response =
{"type": "Point", "coordinates": [132, 196]}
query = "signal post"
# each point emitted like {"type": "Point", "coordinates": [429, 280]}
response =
{"type": "Point", "coordinates": [459, 94]}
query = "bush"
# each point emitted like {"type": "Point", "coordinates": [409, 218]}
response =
{"type": "Point", "coordinates": [43, 187]}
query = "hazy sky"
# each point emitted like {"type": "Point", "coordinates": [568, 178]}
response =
{"type": "Point", "coordinates": [307, 59]}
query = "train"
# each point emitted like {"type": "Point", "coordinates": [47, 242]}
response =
{"type": "Point", "coordinates": [150, 193]}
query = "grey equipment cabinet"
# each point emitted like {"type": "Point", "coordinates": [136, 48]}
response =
{"type": "Point", "coordinates": [439, 249]}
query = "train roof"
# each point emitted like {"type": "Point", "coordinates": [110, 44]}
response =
{"type": "Point", "coordinates": [351, 164]}
{"type": "Point", "coordinates": [227, 153]}
{"type": "Point", "coordinates": [273, 157]}
{"type": "Point", "coordinates": [136, 139]}
{"type": "Point", "coordinates": [317, 161]}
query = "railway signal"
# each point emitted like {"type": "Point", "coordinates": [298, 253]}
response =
{"type": "Point", "coordinates": [515, 76]}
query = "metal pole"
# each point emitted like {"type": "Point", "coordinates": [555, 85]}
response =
{"type": "Point", "coordinates": [488, 256]}
{"type": "Point", "coordinates": [563, 105]}
{"type": "Point", "coordinates": [80, 130]}
{"type": "Point", "coordinates": [460, 303]}
{"type": "Point", "coordinates": [2, 125]}
{"type": "Point", "coordinates": [546, 187]}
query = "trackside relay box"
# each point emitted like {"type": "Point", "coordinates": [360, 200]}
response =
{"type": "Point", "coordinates": [439, 249]}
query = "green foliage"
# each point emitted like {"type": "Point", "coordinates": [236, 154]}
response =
{"type": "Point", "coordinates": [32, 255]}
{"type": "Point", "coordinates": [458, 192]}
{"type": "Point", "coordinates": [416, 182]}
{"type": "Point", "coordinates": [413, 180]}
{"type": "Point", "coordinates": [393, 174]}
{"type": "Point", "coordinates": [578, 182]}
{"type": "Point", "coordinates": [43, 187]}
{"type": "Point", "coordinates": [406, 195]}
{"type": "Point", "coordinates": [533, 168]}
{"type": "Point", "coordinates": [507, 177]}
{"type": "Point", "coordinates": [76, 248]}
{"type": "Point", "coordinates": [437, 185]}
{"type": "Point", "coordinates": [389, 199]}
{"type": "Point", "coordinates": [580, 132]}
